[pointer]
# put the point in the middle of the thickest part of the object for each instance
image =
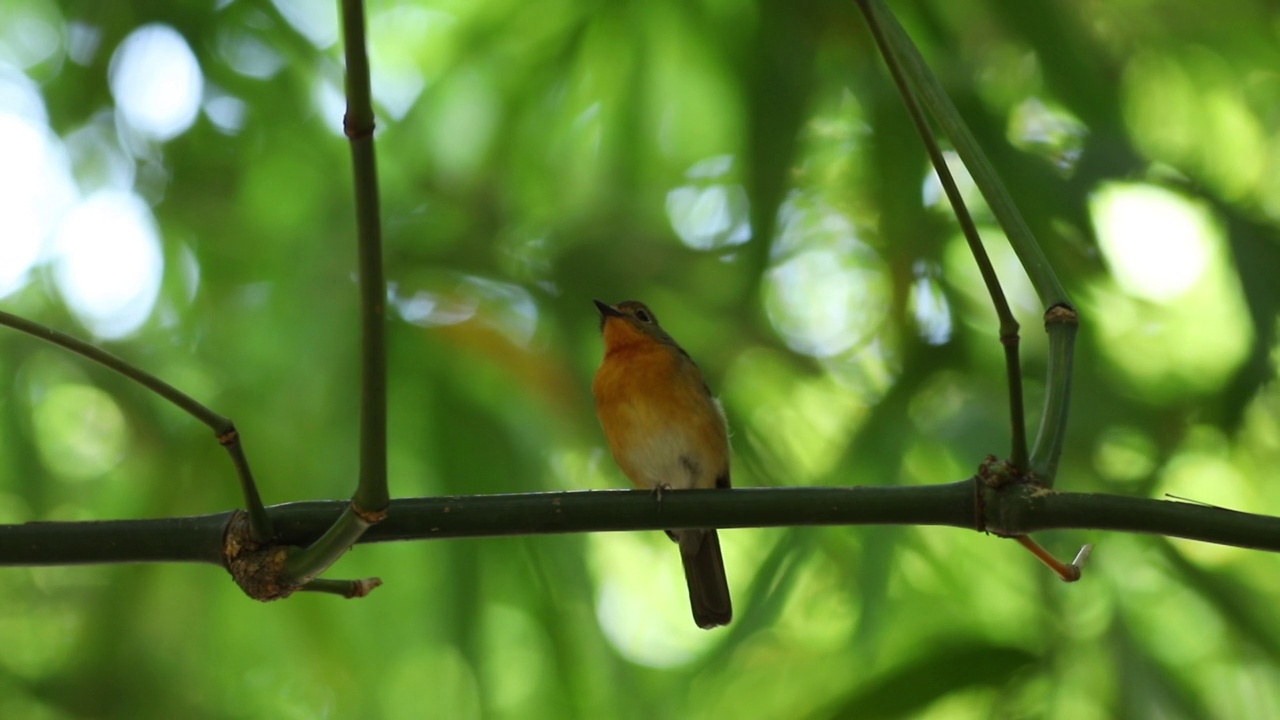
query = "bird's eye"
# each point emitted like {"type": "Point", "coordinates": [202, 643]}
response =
{"type": "Point", "coordinates": [643, 316]}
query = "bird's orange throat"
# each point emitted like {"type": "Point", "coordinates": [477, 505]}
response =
{"type": "Point", "coordinates": [620, 335]}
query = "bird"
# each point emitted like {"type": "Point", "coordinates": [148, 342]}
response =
{"type": "Point", "coordinates": [667, 432]}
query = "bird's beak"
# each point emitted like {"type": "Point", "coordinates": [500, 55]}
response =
{"type": "Point", "coordinates": [606, 310]}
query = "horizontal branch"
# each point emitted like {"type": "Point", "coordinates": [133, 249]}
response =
{"type": "Point", "coordinates": [1013, 510]}
{"type": "Point", "coordinates": [180, 539]}
{"type": "Point", "coordinates": [1190, 521]}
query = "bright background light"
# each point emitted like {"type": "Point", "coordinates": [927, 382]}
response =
{"type": "Point", "coordinates": [73, 202]}
{"type": "Point", "coordinates": [156, 82]}
{"type": "Point", "coordinates": [109, 263]}
{"type": "Point", "coordinates": [35, 190]}
{"type": "Point", "coordinates": [1155, 242]}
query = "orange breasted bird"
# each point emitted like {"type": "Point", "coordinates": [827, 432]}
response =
{"type": "Point", "coordinates": [667, 432]}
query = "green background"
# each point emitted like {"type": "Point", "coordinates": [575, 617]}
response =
{"type": "Point", "coordinates": [536, 155]}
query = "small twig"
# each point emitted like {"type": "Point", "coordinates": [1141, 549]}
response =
{"type": "Point", "coordinates": [1068, 572]}
{"type": "Point", "coordinates": [346, 588]}
{"type": "Point", "coordinates": [1193, 501]}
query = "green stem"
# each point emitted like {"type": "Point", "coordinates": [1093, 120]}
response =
{"type": "Point", "coordinates": [1061, 323]}
{"type": "Point", "coordinates": [984, 175]}
{"type": "Point", "coordinates": [305, 565]}
{"type": "Point", "coordinates": [1008, 324]}
{"type": "Point", "coordinates": [371, 497]}
{"type": "Point", "coordinates": [371, 493]}
{"type": "Point", "coordinates": [91, 542]}
{"type": "Point", "coordinates": [222, 427]}
{"type": "Point", "coordinates": [1014, 510]}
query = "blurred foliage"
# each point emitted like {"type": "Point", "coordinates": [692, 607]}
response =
{"type": "Point", "coordinates": [747, 170]}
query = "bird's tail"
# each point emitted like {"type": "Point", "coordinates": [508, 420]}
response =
{"type": "Point", "coordinates": [704, 572]}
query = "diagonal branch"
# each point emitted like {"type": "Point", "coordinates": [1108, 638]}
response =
{"type": "Point", "coordinates": [1008, 324]}
{"type": "Point", "coordinates": [1061, 317]}
{"type": "Point", "coordinates": [222, 427]}
{"type": "Point", "coordinates": [935, 98]}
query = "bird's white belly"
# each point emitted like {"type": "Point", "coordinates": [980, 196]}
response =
{"type": "Point", "coordinates": [668, 458]}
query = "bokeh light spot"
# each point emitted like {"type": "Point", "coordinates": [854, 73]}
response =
{"type": "Point", "coordinates": [156, 82]}
{"type": "Point", "coordinates": [709, 217]}
{"type": "Point", "coordinates": [642, 606]}
{"type": "Point", "coordinates": [1155, 242]}
{"type": "Point", "coordinates": [1171, 318]}
{"type": "Point", "coordinates": [108, 263]}
{"type": "Point", "coordinates": [226, 113]}
{"type": "Point", "coordinates": [831, 293]}
{"type": "Point", "coordinates": [317, 21]}
{"type": "Point", "coordinates": [249, 55]}
{"type": "Point", "coordinates": [1124, 454]}
{"type": "Point", "coordinates": [35, 190]}
{"type": "Point", "coordinates": [706, 214]}
{"type": "Point", "coordinates": [1047, 130]}
{"type": "Point", "coordinates": [80, 431]}
{"type": "Point", "coordinates": [825, 303]}
{"type": "Point", "coordinates": [928, 303]}
{"type": "Point", "coordinates": [30, 33]}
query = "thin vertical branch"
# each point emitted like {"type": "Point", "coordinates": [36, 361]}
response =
{"type": "Point", "coordinates": [1061, 323]}
{"type": "Point", "coordinates": [369, 503]}
{"type": "Point", "coordinates": [372, 494]}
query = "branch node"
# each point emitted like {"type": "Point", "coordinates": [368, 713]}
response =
{"type": "Point", "coordinates": [362, 588]}
{"type": "Point", "coordinates": [352, 129]}
{"type": "Point", "coordinates": [258, 568]}
{"type": "Point", "coordinates": [979, 505]}
{"type": "Point", "coordinates": [371, 517]}
{"type": "Point", "coordinates": [1061, 314]}
{"type": "Point", "coordinates": [996, 473]}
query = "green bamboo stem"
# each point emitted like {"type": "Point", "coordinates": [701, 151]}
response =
{"type": "Point", "coordinates": [222, 427]}
{"type": "Point", "coordinates": [303, 566]}
{"type": "Point", "coordinates": [1014, 510]}
{"type": "Point", "coordinates": [939, 104]}
{"type": "Point", "coordinates": [371, 496]}
{"type": "Point", "coordinates": [1061, 324]}
{"type": "Point", "coordinates": [1043, 461]}
{"type": "Point", "coordinates": [93, 542]}
{"type": "Point", "coordinates": [372, 493]}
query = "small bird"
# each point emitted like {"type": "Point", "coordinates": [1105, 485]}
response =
{"type": "Point", "coordinates": [666, 432]}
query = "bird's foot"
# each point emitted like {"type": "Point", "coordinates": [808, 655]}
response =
{"type": "Point", "coordinates": [659, 489]}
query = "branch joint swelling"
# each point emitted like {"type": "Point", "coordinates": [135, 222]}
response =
{"type": "Point", "coordinates": [1003, 493]}
{"type": "Point", "coordinates": [258, 568]}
